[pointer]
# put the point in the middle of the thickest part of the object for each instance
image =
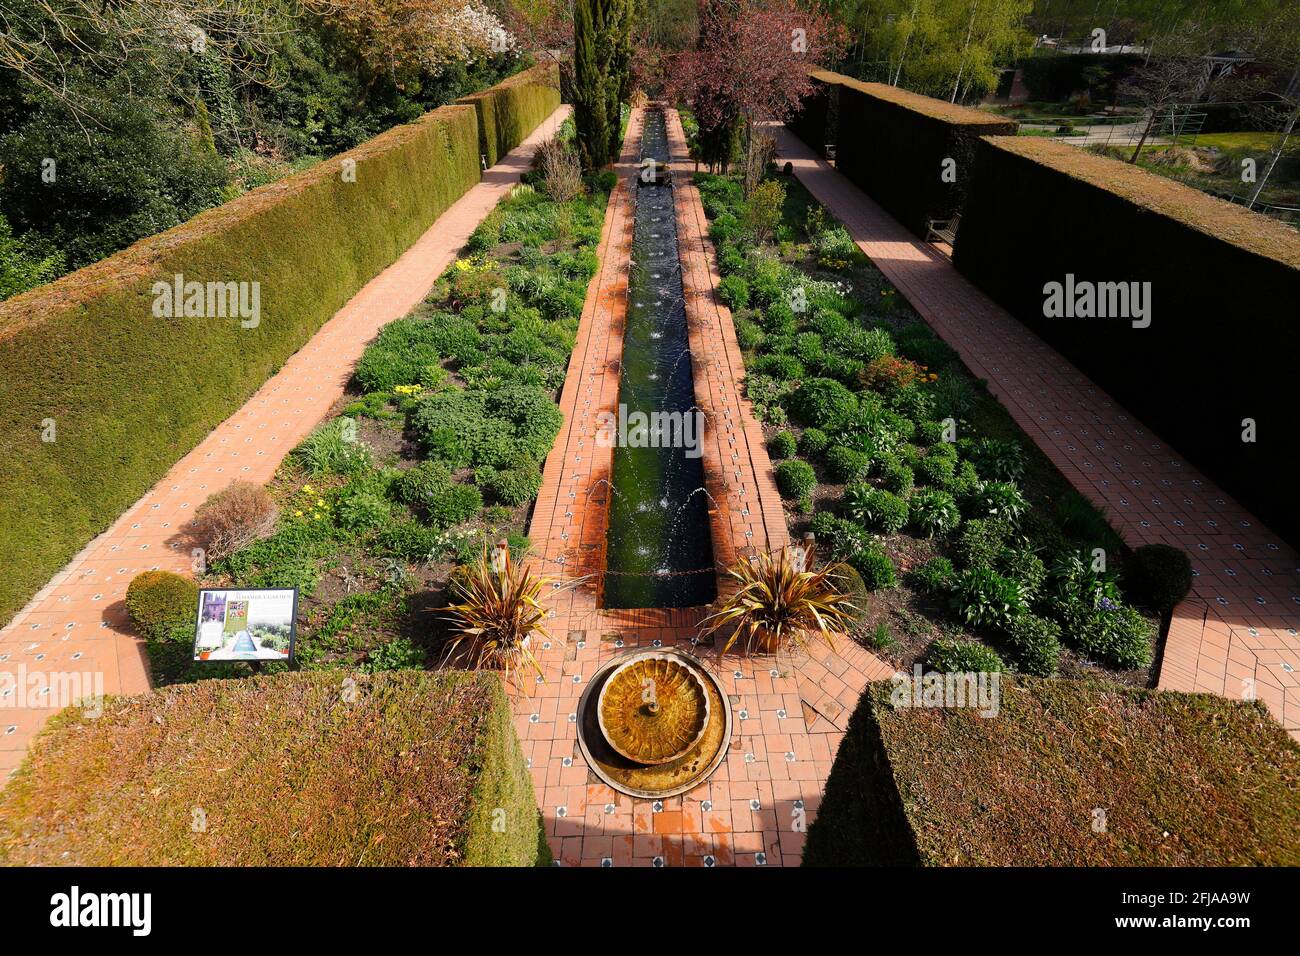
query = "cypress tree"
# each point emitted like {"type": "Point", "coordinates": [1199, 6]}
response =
{"type": "Point", "coordinates": [602, 59]}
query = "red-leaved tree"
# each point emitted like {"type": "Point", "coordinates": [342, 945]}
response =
{"type": "Point", "coordinates": [750, 65]}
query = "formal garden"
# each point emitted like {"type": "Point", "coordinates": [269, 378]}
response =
{"type": "Point", "coordinates": [883, 515]}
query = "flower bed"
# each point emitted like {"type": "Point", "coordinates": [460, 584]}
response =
{"type": "Point", "coordinates": [436, 451]}
{"type": "Point", "coordinates": [965, 537]}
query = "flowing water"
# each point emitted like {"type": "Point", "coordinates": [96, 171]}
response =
{"type": "Point", "coordinates": [659, 548]}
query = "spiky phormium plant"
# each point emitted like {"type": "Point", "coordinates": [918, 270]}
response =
{"type": "Point", "coordinates": [779, 600]}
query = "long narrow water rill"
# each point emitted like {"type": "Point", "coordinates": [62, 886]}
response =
{"type": "Point", "coordinates": [659, 550]}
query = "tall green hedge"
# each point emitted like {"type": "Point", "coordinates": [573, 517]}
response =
{"type": "Point", "coordinates": [893, 144]}
{"type": "Point", "coordinates": [128, 394]}
{"type": "Point", "coordinates": [316, 768]}
{"type": "Point", "coordinates": [515, 837]}
{"type": "Point", "coordinates": [1224, 286]}
{"type": "Point", "coordinates": [511, 110]}
{"type": "Point", "coordinates": [814, 123]}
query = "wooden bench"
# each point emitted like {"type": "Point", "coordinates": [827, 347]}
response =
{"type": "Point", "coordinates": [943, 230]}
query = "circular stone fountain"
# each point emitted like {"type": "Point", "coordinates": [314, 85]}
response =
{"type": "Point", "coordinates": [653, 723]}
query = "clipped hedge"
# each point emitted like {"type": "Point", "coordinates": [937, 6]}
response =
{"type": "Point", "coordinates": [402, 768]}
{"type": "Point", "coordinates": [128, 394]}
{"type": "Point", "coordinates": [1224, 282]}
{"type": "Point", "coordinates": [511, 110]}
{"type": "Point", "coordinates": [815, 121]}
{"type": "Point", "coordinates": [1185, 780]}
{"type": "Point", "coordinates": [893, 144]}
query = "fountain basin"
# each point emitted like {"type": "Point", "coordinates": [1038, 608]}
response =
{"type": "Point", "coordinates": [675, 776]}
{"type": "Point", "coordinates": [657, 732]}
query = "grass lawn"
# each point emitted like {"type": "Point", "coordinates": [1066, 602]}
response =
{"type": "Point", "coordinates": [1182, 780]}
{"type": "Point", "coordinates": [397, 769]}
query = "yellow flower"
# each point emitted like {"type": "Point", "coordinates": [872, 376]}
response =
{"type": "Point", "coordinates": [463, 265]}
{"type": "Point", "coordinates": [297, 514]}
{"type": "Point", "coordinates": [320, 502]}
{"type": "Point", "coordinates": [307, 488]}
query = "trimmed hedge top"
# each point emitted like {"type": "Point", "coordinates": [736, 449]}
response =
{"type": "Point", "coordinates": [151, 258]}
{"type": "Point", "coordinates": [403, 768]}
{"type": "Point", "coordinates": [1183, 779]}
{"type": "Point", "coordinates": [985, 123]}
{"type": "Point", "coordinates": [1214, 217]}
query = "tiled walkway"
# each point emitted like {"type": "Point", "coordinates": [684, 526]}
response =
{"type": "Point", "coordinates": [789, 711]}
{"type": "Point", "coordinates": [78, 623]}
{"type": "Point", "coordinates": [1236, 635]}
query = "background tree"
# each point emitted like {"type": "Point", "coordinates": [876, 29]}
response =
{"type": "Point", "coordinates": [602, 60]}
{"type": "Point", "coordinates": [751, 61]}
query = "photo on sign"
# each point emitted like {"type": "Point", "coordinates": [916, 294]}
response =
{"type": "Point", "coordinates": [245, 625]}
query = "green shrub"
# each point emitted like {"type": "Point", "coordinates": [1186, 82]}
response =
{"type": "Point", "coordinates": [813, 442]}
{"type": "Point", "coordinates": [407, 539]}
{"type": "Point", "coordinates": [1000, 500]}
{"type": "Point", "coordinates": [333, 449]}
{"type": "Point", "coordinates": [362, 510]}
{"type": "Point", "coordinates": [866, 345]}
{"type": "Point", "coordinates": [896, 477]}
{"type": "Point", "coordinates": [935, 577]}
{"type": "Point", "coordinates": [847, 464]}
{"type": "Point", "coordinates": [782, 367]}
{"type": "Point", "coordinates": [875, 508]}
{"type": "Point", "coordinates": [419, 485]}
{"type": "Point", "coordinates": [730, 260]}
{"type": "Point", "coordinates": [795, 479]}
{"type": "Point", "coordinates": [1037, 644]}
{"type": "Point", "coordinates": [936, 469]}
{"type": "Point", "coordinates": [980, 542]}
{"type": "Point", "coordinates": [964, 482]}
{"type": "Point", "coordinates": [1159, 575]}
{"type": "Point", "coordinates": [997, 459]}
{"type": "Point", "coordinates": [455, 505]}
{"type": "Point", "coordinates": [404, 349]}
{"type": "Point", "coordinates": [1114, 633]}
{"type": "Point", "coordinates": [823, 403]}
{"type": "Point", "coordinates": [875, 566]}
{"type": "Point", "coordinates": [782, 445]}
{"type": "Point", "coordinates": [837, 537]}
{"type": "Point", "coordinates": [985, 598]}
{"type": "Point", "coordinates": [513, 486]}
{"type": "Point", "coordinates": [395, 655]}
{"type": "Point", "coordinates": [955, 656]}
{"type": "Point", "coordinates": [160, 602]}
{"type": "Point", "coordinates": [749, 334]}
{"type": "Point", "coordinates": [1026, 567]}
{"type": "Point", "coordinates": [733, 291]}
{"type": "Point", "coordinates": [933, 512]}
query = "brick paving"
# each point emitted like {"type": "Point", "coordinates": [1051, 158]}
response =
{"type": "Point", "coordinates": [78, 622]}
{"type": "Point", "coordinates": [1236, 634]}
{"type": "Point", "coordinates": [789, 710]}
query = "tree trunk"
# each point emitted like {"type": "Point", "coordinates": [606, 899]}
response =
{"type": "Point", "coordinates": [970, 28]}
{"type": "Point", "coordinates": [1145, 133]}
{"type": "Point", "coordinates": [1277, 154]}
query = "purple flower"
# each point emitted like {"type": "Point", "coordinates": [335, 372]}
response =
{"type": "Point", "coordinates": [1107, 604]}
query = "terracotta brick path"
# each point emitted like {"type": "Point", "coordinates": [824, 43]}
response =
{"type": "Point", "coordinates": [789, 711]}
{"type": "Point", "coordinates": [1236, 635]}
{"type": "Point", "coordinates": [78, 621]}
